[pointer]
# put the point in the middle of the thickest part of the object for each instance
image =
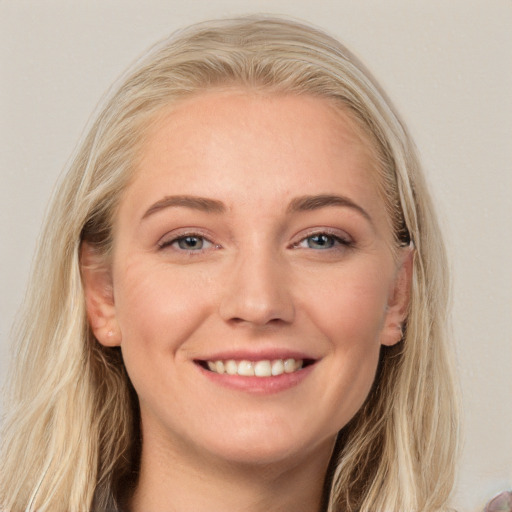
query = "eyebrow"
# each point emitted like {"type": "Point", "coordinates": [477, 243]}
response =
{"type": "Point", "coordinates": [203, 204]}
{"type": "Point", "coordinates": [298, 204]}
{"type": "Point", "coordinates": [316, 202]}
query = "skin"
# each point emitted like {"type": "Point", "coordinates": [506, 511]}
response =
{"type": "Point", "coordinates": [260, 282]}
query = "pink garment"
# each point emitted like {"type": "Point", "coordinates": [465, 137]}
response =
{"type": "Point", "coordinates": [500, 503]}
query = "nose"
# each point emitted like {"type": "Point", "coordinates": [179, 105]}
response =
{"type": "Point", "coordinates": [257, 292]}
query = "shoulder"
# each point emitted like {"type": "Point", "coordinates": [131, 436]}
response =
{"type": "Point", "coordinates": [500, 503]}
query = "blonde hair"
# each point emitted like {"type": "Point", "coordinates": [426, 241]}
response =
{"type": "Point", "coordinates": [71, 440]}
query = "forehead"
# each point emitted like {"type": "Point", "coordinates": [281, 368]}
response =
{"type": "Point", "coordinates": [243, 145]}
{"type": "Point", "coordinates": [253, 108]}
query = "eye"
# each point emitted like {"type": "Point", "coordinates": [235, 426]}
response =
{"type": "Point", "coordinates": [189, 242]}
{"type": "Point", "coordinates": [323, 241]}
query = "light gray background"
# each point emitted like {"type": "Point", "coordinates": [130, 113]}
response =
{"type": "Point", "coordinates": [446, 64]}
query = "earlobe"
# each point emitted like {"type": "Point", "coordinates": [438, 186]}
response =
{"type": "Point", "coordinates": [99, 296]}
{"type": "Point", "coordinates": [399, 299]}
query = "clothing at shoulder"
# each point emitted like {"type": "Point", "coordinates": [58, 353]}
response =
{"type": "Point", "coordinates": [500, 503]}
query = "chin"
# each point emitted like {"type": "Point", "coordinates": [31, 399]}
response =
{"type": "Point", "coordinates": [264, 447]}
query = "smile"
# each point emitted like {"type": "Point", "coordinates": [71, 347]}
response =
{"type": "Point", "coordinates": [262, 368]}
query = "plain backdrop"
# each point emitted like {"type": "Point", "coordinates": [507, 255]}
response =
{"type": "Point", "coordinates": [446, 64]}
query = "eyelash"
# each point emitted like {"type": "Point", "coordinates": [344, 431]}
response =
{"type": "Point", "coordinates": [169, 243]}
{"type": "Point", "coordinates": [338, 242]}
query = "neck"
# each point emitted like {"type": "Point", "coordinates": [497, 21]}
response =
{"type": "Point", "coordinates": [175, 481]}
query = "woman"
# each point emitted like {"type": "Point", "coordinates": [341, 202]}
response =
{"type": "Point", "coordinates": [239, 301]}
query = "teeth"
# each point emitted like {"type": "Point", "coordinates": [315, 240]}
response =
{"type": "Point", "coordinates": [231, 367]}
{"type": "Point", "coordinates": [289, 365]}
{"type": "Point", "coordinates": [245, 368]}
{"type": "Point", "coordinates": [219, 366]}
{"type": "Point", "coordinates": [277, 367]}
{"type": "Point", "coordinates": [263, 368]}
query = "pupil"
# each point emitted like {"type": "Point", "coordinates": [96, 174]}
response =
{"type": "Point", "coordinates": [191, 242]}
{"type": "Point", "coordinates": [321, 241]}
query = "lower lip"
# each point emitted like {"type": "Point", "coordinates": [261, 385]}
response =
{"type": "Point", "coordinates": [259, 385]}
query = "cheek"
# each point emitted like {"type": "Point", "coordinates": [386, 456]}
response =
{"type": "Point", "coordinates": [157, 309]}
{"type": "Point", "coordinates": [349, 310]}
{"type": "Point", "coordinates": [349, 305]}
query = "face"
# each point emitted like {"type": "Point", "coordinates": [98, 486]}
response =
{"type": "Point", "coordinates": [253, 279]}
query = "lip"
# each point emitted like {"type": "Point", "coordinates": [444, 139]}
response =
{"type": "Point", "coordinates": [257, 385]}
{"type": "Point", "coordinates": [256, 355]}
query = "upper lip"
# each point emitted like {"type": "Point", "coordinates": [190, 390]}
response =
{"type": "Point", "coordinates": [256, 355]}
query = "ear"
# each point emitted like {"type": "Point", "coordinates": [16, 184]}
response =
{"type": "Point", "coordinates": [99, 296]}
{"type": "Point", "coordinates": [399, 298]}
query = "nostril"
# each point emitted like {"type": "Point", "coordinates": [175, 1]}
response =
{"type": "Point", "coordinates": [263, 323]}
{"type": "Point", "coordinates": [251, 298]}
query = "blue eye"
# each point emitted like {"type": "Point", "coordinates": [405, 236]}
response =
{"type": "Point", "coordinates": [189, 243]}
{"type": "Point", "coordinates": [322, 242]}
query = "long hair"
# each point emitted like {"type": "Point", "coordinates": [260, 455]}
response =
{"type": "Point", "coordinates": [71, 438]}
